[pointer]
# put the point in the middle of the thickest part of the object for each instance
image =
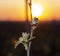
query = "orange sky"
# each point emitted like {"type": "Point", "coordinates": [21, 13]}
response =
{"type": "Point", "coordinates": [14, 10]}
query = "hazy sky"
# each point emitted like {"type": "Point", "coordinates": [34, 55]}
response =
{"type": "Point", "coordinates": [14, 10]}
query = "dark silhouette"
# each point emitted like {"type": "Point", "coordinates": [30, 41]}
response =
{"type": "Point", "coordinates": [46, 43]}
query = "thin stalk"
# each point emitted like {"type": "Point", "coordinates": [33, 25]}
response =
{"type": "Point", "coordinates": [29, 44]}
{"type": "Point", "coordinates": [28, 51]}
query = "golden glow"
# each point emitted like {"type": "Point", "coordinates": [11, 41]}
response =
{"type": "Point", "coordinates": [15, 10]}
{"type": "Point", "coordinates": [37, 10]}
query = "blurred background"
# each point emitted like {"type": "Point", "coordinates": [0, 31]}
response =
{"type": "Point", "coordinates": [15, 18]}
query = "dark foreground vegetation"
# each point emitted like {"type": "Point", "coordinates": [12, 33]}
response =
{"type": "Point", "coordinates": [46, 43]}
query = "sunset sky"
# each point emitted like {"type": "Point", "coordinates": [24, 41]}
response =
{"type": "Point", "coordinates": [14, 10]}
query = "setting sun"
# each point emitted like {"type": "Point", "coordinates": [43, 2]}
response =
{"type": "Point", "coordinates": [15, 10]}
{"type": "Point", "coordinates": [37, 10]}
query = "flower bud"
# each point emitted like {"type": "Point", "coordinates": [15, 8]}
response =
{"type": "Point", "coordinates": [34, 21]}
